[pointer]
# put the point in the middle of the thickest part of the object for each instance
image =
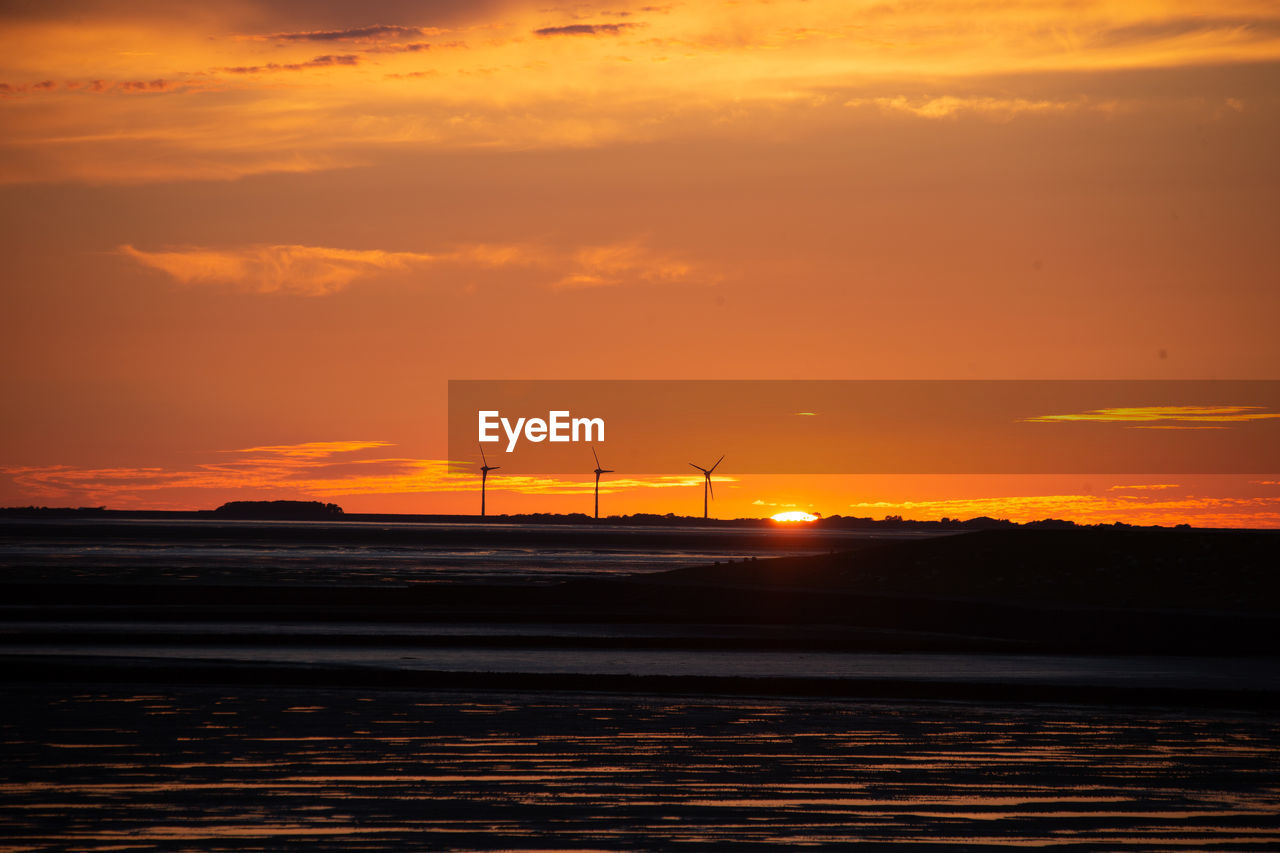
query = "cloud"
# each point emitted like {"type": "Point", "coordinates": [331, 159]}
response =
{"type": "Point", "coordinates": [294, 470]}
{"type": "Point", "coordinates": [313, 449]}
{"type": "Point", "coordinates": [318, 62]}
{"type": "Point", "coordinates": [305, 270]}
{"type": "Point", "coordinates": [147, 86]}
{"type": "Point", "coordinates": [584, 30]}
{"type": "Point", "coordinates": [732, 70]}
{"type": "Point", "coordinates": [595, 266]}
{"type": "Point", "coordinates": [103, 87]}
{"type": "Point", "coordinates": [306, 470]}
{"type": "Point", "coordinates": [945, 106]}
{"type": "Point", "coordinates": [321, 270]}
{"type": "Point", "coordinates": [378, 31]}
{"type": "Point", "coordinates": [1153, 417]}
{"type": "Point", "coordinates": [1180, 28]}
{"type": "Point", "coordinates": [411, 47]}
{"type": "Point", "coordinates": [1144, 487]}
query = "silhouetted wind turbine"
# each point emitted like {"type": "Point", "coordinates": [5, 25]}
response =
{"type": "Point", "coordinates": [484, 478]}
{"type": "Point", "coordinates": [599, 471]}
{"type": "Point", "coordinates": [706, 488]}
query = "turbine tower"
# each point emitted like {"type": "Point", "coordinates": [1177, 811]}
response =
{"type": "Point", "coordinates": [706, 487]}
{"type": "Point", "coordinates": [599, 471]}
{"type": "Point", "coordinates": [484, 478]}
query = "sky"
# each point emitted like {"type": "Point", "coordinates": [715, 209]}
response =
{"type": "Point", "coordinates": [246, 245]}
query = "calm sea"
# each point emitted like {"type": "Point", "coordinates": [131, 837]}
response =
{"type": "Point", "coordinates": [365, 553]}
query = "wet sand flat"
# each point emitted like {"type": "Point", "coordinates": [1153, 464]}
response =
{"type": "Point", "coordinates": [1087, 689]}
{"type": "Point", "coordinates": [219, 768]}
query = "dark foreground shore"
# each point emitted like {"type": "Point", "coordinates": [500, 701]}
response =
{"type": "Point", "coordinates": [1085, 690]}
{"type": "Point", "coordinates": [1033, 593]}
{"type": "Point", "coordinates": [234, 768]}
{"type": "Point", "coordinates": [1094, 591]}
{"type": "Point", "coordinates": [144, 673]}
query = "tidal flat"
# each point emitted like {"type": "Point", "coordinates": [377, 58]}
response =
{"type": "Point", "coordinates": [231, 768]}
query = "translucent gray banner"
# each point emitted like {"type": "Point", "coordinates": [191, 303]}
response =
{"type": "Point", "coordinates": [868, 427]}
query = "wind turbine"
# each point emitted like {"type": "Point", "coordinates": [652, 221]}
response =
{"type": "Point", "coordinates": [599, 471]}
{"type": "Point", "coordinates": [484, 478]}
{"type": "Point", "coordinates": [706, 488]}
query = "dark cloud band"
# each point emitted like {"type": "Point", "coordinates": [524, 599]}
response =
{"type": "Point", "coordinates": [584, 30]}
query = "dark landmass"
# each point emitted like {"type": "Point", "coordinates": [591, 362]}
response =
{"type": "Point", "coordinates": [58, 512]}
{"type": "Point", "coordinates": [1140, 568]}
{"type": "Point", "coordinates": [279, 510]}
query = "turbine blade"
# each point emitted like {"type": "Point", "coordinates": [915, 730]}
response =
{"type": "Point", "coordinates": [606, 471]}
{"type": "Point", "coordinates": [711, 488]}
{"type": "Point", "coordinates": [483, 457]}
{"type": "Point", "coordinates": [718, 461]}
{"type": "Point", "coordinates": [699, 467]}
{"type": "Point", "coordinates": [593, 453]}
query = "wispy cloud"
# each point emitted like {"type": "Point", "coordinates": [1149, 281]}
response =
{"type": "Point", "coordinates": [1165, 417]}
{"type": "Point", "coordinates": [317, 62]}
{"type": "Point", "coordinates": [160, 85]}
{"type": "Point", "coordinates": [1000, 109]}
{"type": "Point", "coordinates": [305, 270]}
{"type": "Point", "coordinates": [1186, 29]}
{"type": "Point", "coordinates": [594, 266]}
{"type": "Point", "coordinates": [579, 81]}
{"type": "Point", "coordinates": [317, 469]}
{"type": "Point", "coordinates": [312, 449]}
{"type": "Point", "coordinates": [584, 30]}
{"type": "Point", "coordinates": [379, 31]}
{"type": "Point", "coordinates": [1145, 487]}
{"type": "Point", "coordinates": [410, 47]}
{"type": "Point", "coordinates": [321, 270]}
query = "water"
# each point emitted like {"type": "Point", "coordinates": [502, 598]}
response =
{"type": "Point", "coordinates": [1138, 671]}
{"type": "Point", "coordinates": [106, 763]}
{"type": "Point", "coordinates": [365, 553]}
{"type": "Point", "coordinates": [281, 769]}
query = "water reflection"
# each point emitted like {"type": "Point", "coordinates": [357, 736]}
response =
{"type": "Point", "coordinates": [342, 770]}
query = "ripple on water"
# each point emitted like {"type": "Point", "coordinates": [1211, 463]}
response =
{"type": "Point", "coordinates": [341, 770]}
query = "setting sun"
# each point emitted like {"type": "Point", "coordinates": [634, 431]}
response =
{"type": "Point", "coordinates": [794, 516]}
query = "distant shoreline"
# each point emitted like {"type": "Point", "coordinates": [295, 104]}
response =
{"type": "Point", "coordinates": [637, 520]}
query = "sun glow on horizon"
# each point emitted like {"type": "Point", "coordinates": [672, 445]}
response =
{"type": "Point", "coordinates": [794, 516]}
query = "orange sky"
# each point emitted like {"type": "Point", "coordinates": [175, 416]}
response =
{"type": "Point", "coordinates": [234, 230]}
